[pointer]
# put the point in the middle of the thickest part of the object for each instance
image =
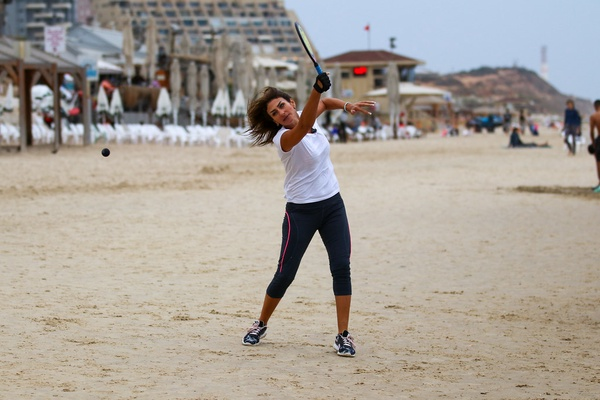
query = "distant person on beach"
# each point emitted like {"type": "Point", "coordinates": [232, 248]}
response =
{"type": "Point", "coordinates": [595, 145]}
{"type": "Point", "coordinates": [522, 121]}
{"type": "Point", "coordinates": [506, 121]}
{"type": "Point", "coordinates": [515, 139]}
{"type": "Point", "coordinates": [313, 199]}
{"type": "Point", "coordinates": [572, 126]}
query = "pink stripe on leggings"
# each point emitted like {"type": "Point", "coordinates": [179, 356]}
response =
{"type": "Point", "coordinates": [287, 240]}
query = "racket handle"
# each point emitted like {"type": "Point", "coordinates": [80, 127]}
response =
{"type": "Point", "coordinates": [318, 68]}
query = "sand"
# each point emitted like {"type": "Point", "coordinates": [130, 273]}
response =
{"type": "Point", "coordinates": [475, 273]}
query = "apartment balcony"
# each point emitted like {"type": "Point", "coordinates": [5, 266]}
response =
{"type": "Point", "coordinates": [62, 6]}
{"type": "Point", "coordinates": [43, 15]}
{"type": "Point", "coordinates": [35, 6]}
{"type": "Point", "coordinates": [35, 25]}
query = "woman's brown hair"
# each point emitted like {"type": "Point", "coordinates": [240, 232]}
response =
{"type": "Point", "coordinates": [262, 128]}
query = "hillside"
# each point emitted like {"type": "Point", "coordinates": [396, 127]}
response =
{"type": "Point", "coordinates": [496, 87]}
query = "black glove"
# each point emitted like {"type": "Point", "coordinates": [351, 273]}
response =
{"type": "Point", "coordinates": [322, 83]}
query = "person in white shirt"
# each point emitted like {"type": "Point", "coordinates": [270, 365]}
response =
{"type": "Point", "coordinates": [313, 199]}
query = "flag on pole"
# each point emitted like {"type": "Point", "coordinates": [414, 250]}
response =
{"type": "Point", "coordinates": [367, 27]}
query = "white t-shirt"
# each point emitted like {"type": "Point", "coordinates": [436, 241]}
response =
{"type": "Point", "coordinates": [309, 175]}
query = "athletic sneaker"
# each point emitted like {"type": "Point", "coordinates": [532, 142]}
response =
{"type": "Point", "coordinates": [344, 344]}
{"type": "Point", "coordinates": [257, 331]}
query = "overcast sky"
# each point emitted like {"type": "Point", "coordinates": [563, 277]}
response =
{"type": "Point", "coordinates": [458, 35]}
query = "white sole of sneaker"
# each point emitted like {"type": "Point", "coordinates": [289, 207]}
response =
{"type": "Point", "coordinates": [255, 344]}
{"type": "Point", "coordinates": [337, 349]}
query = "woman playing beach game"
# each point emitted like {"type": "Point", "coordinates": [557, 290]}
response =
{"type": "Point", "coordinates": [313, 199]}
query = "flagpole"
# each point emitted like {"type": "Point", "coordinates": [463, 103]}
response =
{"type": "Point", "coordinates": [368, 29]}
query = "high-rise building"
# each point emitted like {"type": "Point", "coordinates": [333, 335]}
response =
{"type": "Point", "coordinates": [27, 18]}
{"type": "Point", "coordinates": [265, 24]}
{"type": "Point", "coordinates": [544, 64]}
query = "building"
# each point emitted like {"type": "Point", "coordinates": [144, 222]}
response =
{"type": "Point", "coordinates": [365, 70]}
{"type": "Point", "coordinates": [27, 18]}
{"type": "Point", "coordinates": [266, 25]}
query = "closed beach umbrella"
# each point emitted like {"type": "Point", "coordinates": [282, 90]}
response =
{"type": "Point", "coordinates": [9, 101]}
{"type": "Point", "coordinates": [175, 84]}
{"type": "Point", "coordinates": [151, 45]}
{"type": "Point", "coordinates": [393, 89]}
{"type": "Point", "coordinates": [204, 91]}
{"type": "Point", "coordinates": [261, 78]}
{"type": "Point", "coordinates": [239, 107]}
{"type": "Point", "coordinates": [301, 86]}
{"type": "Point", "coordinates": [163, 104]}
{"type": "Point", "coordinates": [221, 106]}
{"type": "Point", "coordinates": [272, 76]}
{"type": "Point", "coordinates": [128, 49]}
{"type": "Point", "coordinates": [191, 83]}
{"type": "Point", "coordinates": [102, 105]}
{"type": "Point", "coordinates": [248, 70]}
{"type": "Point", "coordinates": [185, 44]}
{"type": "Point", "coordinates": [116, 106]}
{"type": "Point", "coordinates": [217, 65]}
{"type": "Point", "coordinates": [237, 67]}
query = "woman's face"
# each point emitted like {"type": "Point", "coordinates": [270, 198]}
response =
{"type": "Point", "coordinates": [283, 112]}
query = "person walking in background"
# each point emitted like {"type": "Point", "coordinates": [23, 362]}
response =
{"type": "Point", "coordinates": [572, 126]}
{"type": "Point", "coordinates": [595, 145]}
{"type": "Point", "coordinates": [313, 198]}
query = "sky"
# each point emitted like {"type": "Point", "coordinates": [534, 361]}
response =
{"type": "Point", "coordinates": [460, 35]}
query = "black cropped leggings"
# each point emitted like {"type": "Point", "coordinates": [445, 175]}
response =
{"type": "Point", "coordinates": [300, 223]}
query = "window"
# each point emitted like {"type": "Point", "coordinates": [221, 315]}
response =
{"type": "Point", "coordinates": [379, 71]}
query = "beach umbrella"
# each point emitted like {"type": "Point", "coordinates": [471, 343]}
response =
{"type": "Point", "coordinates": [163, 105]}
{"type": "Point", "coordinates": [175, 85]}
{"type": "Point", "coordinates": [102, 105]}
{"type": "Point", "coordinates": [237, 68]}
{"type": "Point", "coordinates": [185, 44]}
{"type": "Point", "coordinates": [116, 106]}
{"type": "Point", "coordinates": [151, 45]}
{"type": "Point", "coordinates": [10, 98]}
{"type": "Point", "coordinates": [218, 64]}
{"type": "Point", "coordinates": [221, 105]}
{"type": "Point", "coordinates": [272, 77]}
{"type": "Point", "coordinates": [261, 78]}
{"type": "Point", "coordinates": [248, 72]}
{"type": "Point", "coordinates": [191, 82]}
{"type": "Point", "coordinates": [239, 106]}
{"type": "Point", "coordinates": [204, 91]}
{"type": "Point", "coordinates": [128, 49]}
{"type": "Point", "coordinates": [301, 86]}
{"type": "Point", "coordinates": [393, 91]}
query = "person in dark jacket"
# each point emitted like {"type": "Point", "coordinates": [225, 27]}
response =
{"type": "Point", "coordinates": [572, 126]}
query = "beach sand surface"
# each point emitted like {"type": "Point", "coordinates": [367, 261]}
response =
{"type": "Point", "coordinates": [475, 274]}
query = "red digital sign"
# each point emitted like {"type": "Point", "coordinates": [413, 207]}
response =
{"type": "Point", "coordinates": [359, 71]}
